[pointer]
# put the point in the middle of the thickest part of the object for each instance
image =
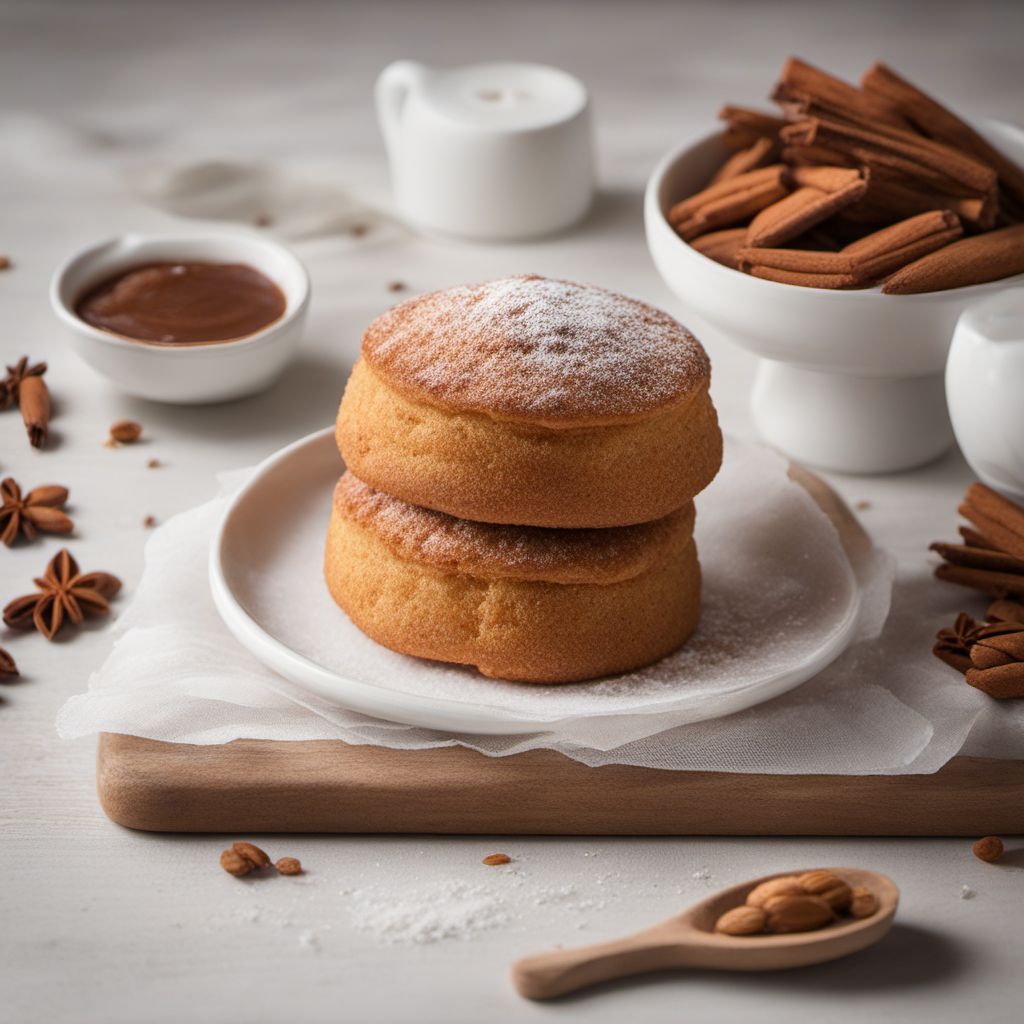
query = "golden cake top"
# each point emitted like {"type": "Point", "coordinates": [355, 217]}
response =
{"type": "Point", "coordinates": [535, 349]}
{"type": "Point", "coordinates": [434, 538]}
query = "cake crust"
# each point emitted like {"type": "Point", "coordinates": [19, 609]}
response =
{"type": "Point", "coordinates": [416, 596]}
{"type": "Point", "coordinates": [475, 467]}
{"type": "Point", "coordinates": [536, 350]}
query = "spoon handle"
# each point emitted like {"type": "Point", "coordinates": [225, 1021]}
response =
{"type": "Point", "coordinates": [548, 975]}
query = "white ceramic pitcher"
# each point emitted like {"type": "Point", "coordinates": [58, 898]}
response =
{"type": "Point", "coordinates": [985, 389]}
{"type": "Point", "coordinates": [488, 151]}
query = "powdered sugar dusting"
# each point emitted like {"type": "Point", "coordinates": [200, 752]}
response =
{"type": "Point", "coordinates": [536, 348]}
{"type": "Point", "coordinates": [425, 535]}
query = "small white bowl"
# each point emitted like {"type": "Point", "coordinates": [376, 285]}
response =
{"type": "Point", "coordinates": [848, 380]}
{"type": "Point", "coordinates": [184, 374]}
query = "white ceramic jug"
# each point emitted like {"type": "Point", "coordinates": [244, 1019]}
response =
{"type": "Point", "coordinates": [985, 389]}
{"type": "Point", "coordinates": [488, 151]}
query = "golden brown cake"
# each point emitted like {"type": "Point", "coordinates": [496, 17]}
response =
{"type": "Point", "coordinates": [523, 603]}
{"type": "Point", "coordinates": [532, 401]}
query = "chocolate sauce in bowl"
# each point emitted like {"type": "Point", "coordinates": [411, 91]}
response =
{"type": "Point", "coordinates": [184, 303]}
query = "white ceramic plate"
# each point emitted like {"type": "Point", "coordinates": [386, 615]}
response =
{"type": "Point", "coordinates": [780, 603]}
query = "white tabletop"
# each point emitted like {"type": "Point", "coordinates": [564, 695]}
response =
{"type": "Point", "coordinates": [100, 924]}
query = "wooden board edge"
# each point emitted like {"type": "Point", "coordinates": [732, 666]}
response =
{"type": "Point", "coordinates": [331, 787]}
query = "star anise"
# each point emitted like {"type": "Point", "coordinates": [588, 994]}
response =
{"type": "Point", "coordinates": [15, 375]}
{"type": "Point", "coordinates": [64, 595]}
{"type": "Point", "coordinates": [8, 670]}
{"type": "Point", "coordinates": [953, 644]}
{"type": "Point", "coordinates": [37, 512]}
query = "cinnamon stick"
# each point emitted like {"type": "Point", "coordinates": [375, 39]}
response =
{"type": "Point", "coordinates": [34, 402]}
{"type": "Point", "coordinates": [998, 518]}
{"type": "Point", "coordinates": [721, 246]}
{"type": "Point", "coordinates": [884, 251]}
{"type": "Point", "coordinates": [861, 262]}
{"type": "Point", "coordinates": [803, 279]}
{"type": "Point", "coordinates": [978, 558]}
{"type": "Point", "coordinates": [904, 151]}
{"type": "Point", "coordinates": [1005, 682]}
{"type": "Point", "coordinates": [976, 260]}
{"type": "Point", "coordinates": [996, 584]}
{"type": "Point", "coordinates": [803, 84]}
{"type": "Point", "coordinates": [823, 192]}
{"type": "Point", "coordinates": [728, 202]}
{"type": "Point", "coordinates": [761, 152]}
{"type": "Point", "coordinates": [744, 126]}
{"type": "Point", "coordinates": [940, 123]}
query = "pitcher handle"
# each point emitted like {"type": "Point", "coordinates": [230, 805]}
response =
{"type": "Point", "coordinates": [394, 84]}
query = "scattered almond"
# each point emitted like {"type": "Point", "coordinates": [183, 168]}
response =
{"type": "Point", "coordinates": [251, 853]}
{"type": "Point", "coordinates": [153, 464]}
{"type": "Point", "coordinates": [864, 902]}
{"type": "Point", "coordinates": [827, 886]}
{"type": "Point", "coordinates": [796, 914]}
{"type": "Point", "coordinates": [5, 262]}
{"type": "Point", "coordinates": [289, 866]}
{"type": "Point", "coordinates": [149, 522]}
{"type": "Point", "coordinates": [761, 894]}
{"type": "Point", "coordinates": [8, 667]}
{"type": "Point", "coordinates": [125, 432]}
{"type": "Point", "coordinates": [988, 849]}
{"type": "Point", "coordinates": [235, 864]}
{"type": "Point", "coordinates": [396, 286]}
{"type": "Point", "coordinates": [492, 860]}
{"type": "Point", "coordinates": [742, 921]}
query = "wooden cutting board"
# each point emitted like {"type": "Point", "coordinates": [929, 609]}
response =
{"type": "Point", "coordinates": [325, 786]}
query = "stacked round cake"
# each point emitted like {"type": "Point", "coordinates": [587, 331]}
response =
{"type": "Point", "coordinates": [522, 461]}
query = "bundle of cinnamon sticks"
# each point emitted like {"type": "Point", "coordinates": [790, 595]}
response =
{"type": "Point", "coordinates": [989, 559]}
{"type": "Point", "coordinates": [855, 187]}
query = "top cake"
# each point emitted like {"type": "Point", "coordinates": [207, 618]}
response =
{"type": "Point", "coordinates": [532, 401]}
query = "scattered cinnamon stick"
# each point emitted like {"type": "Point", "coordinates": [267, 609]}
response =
{"type": "Point", "coordinates": [34, 402]}
{"type": "Point", "coordinates": [990, 654]}
{"type": "Point", "coordinates": [25, 386]}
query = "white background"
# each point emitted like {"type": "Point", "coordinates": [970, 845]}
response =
{"type": "Point", "coordinates": [100, 924]}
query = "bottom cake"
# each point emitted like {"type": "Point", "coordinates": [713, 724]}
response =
{"type": "Point", "coordinates": [523, 603]}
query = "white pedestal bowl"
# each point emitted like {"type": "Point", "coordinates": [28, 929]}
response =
{"type": "Point", "coordinates": [850, 381]}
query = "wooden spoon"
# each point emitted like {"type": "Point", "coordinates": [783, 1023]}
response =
{"type": "Point", "coordinates": [689, 940]}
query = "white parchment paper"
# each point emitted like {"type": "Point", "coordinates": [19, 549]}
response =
{"type": "Point", "coordinates": [177, 674]}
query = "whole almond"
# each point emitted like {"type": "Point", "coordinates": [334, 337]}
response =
{"type": "Point", "coordinates": [235, 864]}
{"type": "Point", "coordinates": [253, 854]}
{"type": "Point", "coordinates": [741, 921]}
{"type": "Point", "coordinates": [289, 866]}
{"type": "Point", "coordinates": [797, 913]}
{"type": "Point", "coordinates": [495, 859]}
{"type": "Point", "coordinates": [864, 902]}
{"type": "Point", "coordinates": [829, 887]}
{"type": "Point", "coordinates": [989, 849]}
{"type": "Point", "coordinates": [786, 886]}
{"type": "Point", "coordinates": [126, 431]}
